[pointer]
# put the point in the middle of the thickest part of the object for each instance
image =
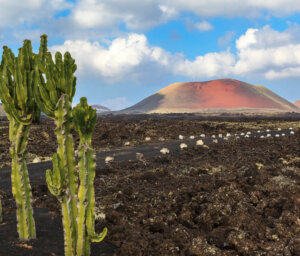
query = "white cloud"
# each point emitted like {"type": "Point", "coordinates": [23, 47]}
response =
{"type": "Point", "coordinates": [116, 103]}
{"type": "Point", "coordinates": [203, 26]}
{"type": "Point", "coordinates": [137, 15]}
{"type": "Point", "coordinates": [236, 8]}
{"type": "Point", "coordinates": [16, 12]}
{"type": "Point", "coordinates": [261, 52]}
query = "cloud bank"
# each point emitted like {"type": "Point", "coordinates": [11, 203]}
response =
{"type": "Point", "coordinates": [263, 52]}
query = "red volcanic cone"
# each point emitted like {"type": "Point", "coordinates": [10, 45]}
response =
{"type": "Point", "coordinates": [223, 95]}
{"type": "Point", "coordinates": [297, 103]}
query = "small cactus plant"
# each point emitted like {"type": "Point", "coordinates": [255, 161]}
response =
{"type": "Point", "coordinates": [84, 120]}
{"type": "Point", "coordinates": [16, 93]}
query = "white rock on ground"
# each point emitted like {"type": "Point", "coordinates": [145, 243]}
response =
{"type": "Point", "coordinates": [248, 133]}
{"type": "Point", "coordinates": [180, 137]}
{"type": "Point", "coordinates": [262, 136]}
{"type": "Point", "coordinates": [109, 159]}
{"type": "Point", "coordinates": [161, 139]}
{"type": "Point", "coordinates": [202, 135]}
{"type": "Point", "coordinates": [199, 143]}
{"type": "Point", "coordinates": [36, 160]}
{"type": "Point", "coordinates": [277, 135]}
{"type": "Point", "coordinates": [165, 151]}
{"type": "Point", "coordinates": [290, 128]}
{"type": "Point", "coordinates": [220, 135]}
{"type": "Point", "coordinates": [183, 145]}
{"type": "Point", "coordinates": [258, 131]}
{"type": "Point", "coordinates": [267, 130]}
{"type": "Point", "coordinates": [279, 129]}
{"type": "Point", "coordinates": [192, 137]}
{"type": "Point", "coordinates": [147, 139]}
{"type": "Point", "coordinates": [127, 143]}
{"type": "Point", "coordinates": [215, 141]}
{"type": "Point", "coordinates": [268, 135]}
{"type": "Point", "coordinates": [292, 132]}
{"type": "Point", "coordinates": [228, 135]}
{"type": "Point", "coordinates": [242, 134]}
{"type": "Point", "coordinates": [283, 134]}
{"type": "Point", "coordinates": [213, 136]}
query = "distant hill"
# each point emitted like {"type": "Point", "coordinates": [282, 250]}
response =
{"type": "Point", "coordinates": [222, 95]}
{"type": "Point", "coordinates": [100, 109]}
{"type": "Point", "coordinates": [297, 103]}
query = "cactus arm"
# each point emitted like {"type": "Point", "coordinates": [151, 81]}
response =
{"type": "Point", "coordinates": [20, 180]}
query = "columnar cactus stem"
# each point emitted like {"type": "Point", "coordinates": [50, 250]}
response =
{"type": "Point", "coordinates": [16, 93]}
{"type": "Point", "coordinates": [20, 180]}
{"type": "Point", "coordinates": [62, 182]}
{"type": "Point", "coordinates": [84, 120]}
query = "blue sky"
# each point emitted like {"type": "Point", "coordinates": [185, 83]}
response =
{"type": "Point", "coordinates": [127, 50]}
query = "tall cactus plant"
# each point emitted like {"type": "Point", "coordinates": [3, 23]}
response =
{"type": "Point", "coordinates": [84, 120]}
{"type": "Point", "coordinates": [16, 93]}
{"type": "Point", "coordinates": [54, 96]}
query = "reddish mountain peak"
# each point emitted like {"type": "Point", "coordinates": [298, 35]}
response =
{"type": "Point", "coordinates": [297, 103]}
{"type": "Point", "coordinates": [218, 95]}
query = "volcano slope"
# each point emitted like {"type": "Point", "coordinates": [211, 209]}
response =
{"type": "Point", "coordinates": [223, 95]}
{"type": "Point", "coordinates": [240, 197]}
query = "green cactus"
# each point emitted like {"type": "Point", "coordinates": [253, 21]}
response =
{"type": "Point", "coordinates": [17, 79]}
{"type": "Point", "coordinates": [84, 120]}
{"type": "Point", "coordinates": [62, 182]}
{"type": "Point", "coordinates": [60, 78]}
{"type": "Point", "coordinates": [54, 97]}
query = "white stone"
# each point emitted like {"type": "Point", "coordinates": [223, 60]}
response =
{"type": "Point", "coordinates": [147, 139]}
{"type": "Point", "coordinates": [290, 128]}
{"type": "Point", "coordinates": [109, 159]}
{"type": "Point", "coordinates": [213, 136]}
{"type": "Point", "coordinates": [202, 135]}
{"type": "Point", "coordinates": [199, 143]}
{"type": "Point", "coordinates": [292, 132]}
{"type": "Point", "coordinates": [267, 130]}
{"type": "Point", "coordinates": [283, 134]}
{"type": "Point", "coordinates": [127, 143]}
{"type": "Point", "coordinates": [183, 145]}
{"type": "Point", "coordinates": [220, 135]}
{"type": "Point", "coordinates": [180, 137]}
{"type": "Point", "coordinates": [242, 134]}
{"type": "Point", "coordinates": [215, 141]}
{"type": "Point", "coordinates": [192, 137]}
{"type": "Point", "coordinates": [165, 151]}
{"type": "Point", "coordinates": [268, 135]}
{"type": "Point", "coordinates": [277, 135]}
{"type": "Point", "coordinates": [262, 136]}
{"type": "Point", "coordinates": [248, 132]}
{"type": "Point", "coordinates": [279, 129]}
{"type": "Point", "coordinates": [228, 135]}
{"type": "Point", "coordinates": [258, 131]}
{"type": "Point", "coordinates": [36, 160]}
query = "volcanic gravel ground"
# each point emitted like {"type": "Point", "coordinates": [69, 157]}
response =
{"type": "Point", "coordinates": [240, 197]}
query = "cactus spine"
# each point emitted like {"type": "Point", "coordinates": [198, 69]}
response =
{"type": "Point", "coordinates": [16, 93]}
{"type": "Point", "coordinates": [84, 120]}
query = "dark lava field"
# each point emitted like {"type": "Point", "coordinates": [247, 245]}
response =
{"type": "Point", "coordinates": [239, 196]}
